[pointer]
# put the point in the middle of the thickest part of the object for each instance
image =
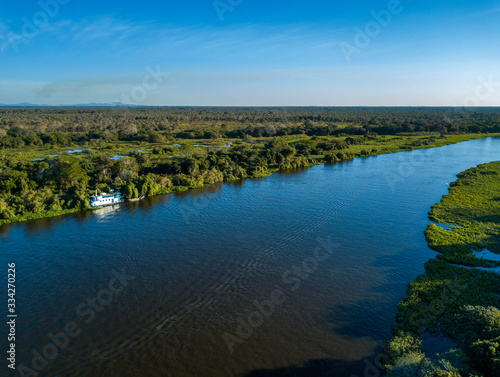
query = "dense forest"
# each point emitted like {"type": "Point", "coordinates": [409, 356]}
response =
{"type": "Point", "coordinates": [61, 126]}
{"type": "Point", "coordinates": [150, 151]}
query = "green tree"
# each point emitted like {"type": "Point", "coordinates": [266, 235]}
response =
{"type": "Point", "coordinates": [70, 173]}
{"type": "Point", "coordinates": [130, 191]}
{"type": "Point", "coordinates": [6, 211]}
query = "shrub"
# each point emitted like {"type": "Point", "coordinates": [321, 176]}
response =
{"type": "Point", "coordinates": [401, 344]}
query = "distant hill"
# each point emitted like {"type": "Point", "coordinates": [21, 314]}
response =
{"type": "Point", "coordinates": [114, 104]}
{"type": "Point", "coordinates": [22, 104]}
{"type": "Point", "coordinates": [27, 104]}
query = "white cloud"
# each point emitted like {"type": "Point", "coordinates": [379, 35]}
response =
{"type": "Point", "coordinates": [486, 12]}
{"type": "Point", "coordinates": [87, 31]}
{"type": "Point", "coordinates": [4, 30]}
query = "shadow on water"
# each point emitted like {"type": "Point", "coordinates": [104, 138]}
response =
{"type": "Point", "coordinates": [323, 368]}
{"type": "Point", "coordinates": [32, 227]}
{"type": "Point", "coordinates": [238, 184]}
{"type": "Point", "coordinates": [345, 162]}
{"type": "Point", "coordinates": [361, 320]}
{"type": "Point", "coordinates": [364, 318]}
{"type": "Point", "coordinates": [296, 171]}
{"type": "Point", "coordinates": [149, 202]}
{"type": "Point", "coordinates": [195, 193]}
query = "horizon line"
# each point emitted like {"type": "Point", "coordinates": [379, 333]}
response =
{"type": "Point", "coordinates": [111, 105]}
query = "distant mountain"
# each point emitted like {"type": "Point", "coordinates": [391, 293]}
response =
{"type": "Point", "coordinates": [114, 104]}
{"type": "Point", "coordinates": [27, 104]}
{"type": "Point", "coordinates": [22, 104]}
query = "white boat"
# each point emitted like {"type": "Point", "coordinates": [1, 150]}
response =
{"type": "Point", "coordinates": [105, 199]}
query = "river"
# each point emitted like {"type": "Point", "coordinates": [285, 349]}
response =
{"type": "Point", "coordinates": [298, 274]}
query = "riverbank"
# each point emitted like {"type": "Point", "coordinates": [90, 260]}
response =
{"type": "Point", "coordinates": [51, 185]}
{"type": "Point", "coordinates": [230, 244]}
{"type": "Point", "coordinates": [449, 323]}
{"type": "Point", "coordinates": [49, 214]}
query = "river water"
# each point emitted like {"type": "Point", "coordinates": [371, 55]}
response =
{"type": "Point", "coordinates": [297, 274]}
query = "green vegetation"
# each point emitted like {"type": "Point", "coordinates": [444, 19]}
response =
{"type": "Point", "coordinates": [161, 150]}
{"type": "Point", "coordinates": [454, 298]}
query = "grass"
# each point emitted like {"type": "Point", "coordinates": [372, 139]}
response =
{"type": "Point", "coordinates": [449, 291]}
{"type": "Point", "coordinates": [377, 145]}
{"type": "Point", "coordinates": [473, 205]}
{"type": "Point", "coordinates": [363, 146]}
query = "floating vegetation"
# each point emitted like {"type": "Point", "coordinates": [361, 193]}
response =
{"type": "Point", "coordinates": [458, 297]}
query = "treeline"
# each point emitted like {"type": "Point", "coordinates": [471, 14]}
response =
{"type": "Point", "coordinates": [64, 183]}
{"type": "Point", "coordinates": [21, 127]}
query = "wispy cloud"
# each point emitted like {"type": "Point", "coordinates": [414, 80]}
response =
{"type": "Point", "coordinates": [153, 34]}
{"type": "Point", "coordinates": [493, 10]}
{"type": "Point", "coordinates": [3, 28]}
{"type": "Point", "coordinates": [86, 30]}
{"type": "Point", "coordinates": [486, 12]}
{"type": "Point", "coordinates": [124, 37]}
{"type": "Point", "coordinates": [104, 28]}
{"type": "Point", "coordinates": [86, 85]}
{"type": "Point", "coordinates": [241, 42]}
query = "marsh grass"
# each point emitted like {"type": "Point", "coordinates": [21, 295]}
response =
{"type": "Point", "coordinates": [305, 151]}
{"type": "Point", "coordinates": [449, 298]}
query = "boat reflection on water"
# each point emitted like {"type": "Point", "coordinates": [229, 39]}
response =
{"type": "Point", "coordinates": [202, 259]}
{"type": "Point", "coordinates": [106, 211]}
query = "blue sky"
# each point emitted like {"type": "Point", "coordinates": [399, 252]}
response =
{"type": "Point", "coordinates": [251, 52]}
